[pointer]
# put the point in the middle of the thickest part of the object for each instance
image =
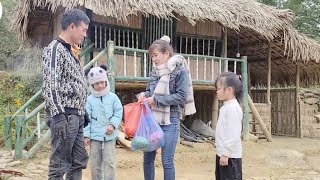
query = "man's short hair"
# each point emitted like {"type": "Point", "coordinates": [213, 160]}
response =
{"type": "Point", "coordinates": [75, 16]}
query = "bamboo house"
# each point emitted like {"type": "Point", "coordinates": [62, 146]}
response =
{"type": "Point", "coordinates": [204, 31]}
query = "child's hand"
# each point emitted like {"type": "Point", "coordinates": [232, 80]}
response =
{"type": "Point", "coordinates": [87, 141]}
{"type": "Point", "coordinates": [110, 129]}
{"type": "Point", "coordinates": [224, 160]}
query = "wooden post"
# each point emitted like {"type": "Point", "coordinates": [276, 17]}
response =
{"type": "Point", "coordinates": [20, 133]}
{"type": "Point", "coordinates": [96, 58]}
{"type": "Point", "coordinates": [111, 67]}
{"type": "Point", "coordinates": [215, 108]}
{"type": "Point", "coordinates": [87, 42]}
{"type": "Point", "coordinates": [244, 73]}
{"type": "Point", "coordinates": [215, 103]}
{"type": "Point", "coordinates": [269, 75]}
{"type": "Point", "coordinates": [7, 133]}
{"type": "Point", "coordinates": [225, 49]}
{"type": "Point", "coordinates": [249, 79]}
{"type": "Point", "coordinates": [258, 118]}
{"type": "Point", "coordinates": [299, 129]}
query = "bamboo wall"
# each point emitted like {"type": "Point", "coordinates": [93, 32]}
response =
{"type": "Point", "coordinates": [310, 126]}
{"type": "Point", "coordinates": [265, 113]}
{"type": "Point", "coordinates": [119, 64]}
{"type": "Point", "coordinates": [203, 70]}
{"type": "Point", "coordinates": [40, 28]}
{"type": "Point", "coordinates": [203, 28]}
{"type": "Point", "coordinates": [283, 113]}
{"type": "Point", "coordinates": [56, 24]}
{"type": "Point", "coordinates": [200, 74]}
{"type": "Point", "coordinates": [134, 21]}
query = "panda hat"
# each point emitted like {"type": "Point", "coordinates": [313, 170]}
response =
{"type": "Point", "coordinates": [95, 75]}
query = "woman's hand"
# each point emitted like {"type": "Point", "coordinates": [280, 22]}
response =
{"type": "Point", "coordinates": [150, 101]}
{"type": "Point", "coordinates": [141, 96]}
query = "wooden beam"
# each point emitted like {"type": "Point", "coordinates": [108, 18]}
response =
{"type": "Point", "coordinates": [279, 48]}
{"type": "Point", "coordinates": [299, 134]}
{"type": "Point", "coordinates": [89, 55]}
{"type": "Point", "coordinates": [249, 79]}
{"type": "Point", "coordinates": [260, 45]}
{"type": "Point", "coordinates": [269, 75]}
{"type": "Point", "coordinates": [279, 54]}
{"type": "Point", "coordinates": [242, 36]}
{"type": "Point", "coordinates": [258, 52]}
{"type": "Point", "coordinates": [214, 111]}
{"type": "Point", "coordinates": [273, 64]}
{"type": "Point", "coordinates": [225, 53]}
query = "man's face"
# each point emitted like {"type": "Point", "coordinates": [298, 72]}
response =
{"type": "Point", "coordinates": [78, 33]}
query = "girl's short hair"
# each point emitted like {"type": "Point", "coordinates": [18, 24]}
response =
{"type": "Point", "coordinates": [232, 80]}
{"type": "Point", "coordinates": [162, 44]}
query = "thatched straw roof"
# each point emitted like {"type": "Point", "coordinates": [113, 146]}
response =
{"type": "Point", "coordinates": [0, 10]}
{"type": "Point", "coordinates": [264, 20]}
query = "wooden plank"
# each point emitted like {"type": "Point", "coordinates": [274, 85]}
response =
{"type": "Point", "coordinates": [249, 79]}
{"type": "Point", "coordinates": [269, 75]}
{"type": "Point", "coordinates": [299, 134]}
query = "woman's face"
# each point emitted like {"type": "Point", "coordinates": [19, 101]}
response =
{"type": "Point", "coordinates": [158, 57]}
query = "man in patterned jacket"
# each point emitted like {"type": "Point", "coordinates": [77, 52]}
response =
{"type": "Point", "coordinates": [64, 90]}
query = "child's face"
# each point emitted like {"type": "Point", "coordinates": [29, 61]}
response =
{"type": "Point", "coordinates": [99, 86]}
{"type": "Point", "coordinates": [224, 93]}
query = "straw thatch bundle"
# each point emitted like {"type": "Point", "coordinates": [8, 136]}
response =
{"type": "Point", "coordinates": [265, 20]}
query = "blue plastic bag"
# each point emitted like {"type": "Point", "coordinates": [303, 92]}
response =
{"type": "Point", "coordinates": [149, 135]}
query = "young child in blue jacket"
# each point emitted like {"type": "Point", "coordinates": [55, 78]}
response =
{"type": "Point", "coordinates": [105, 112]}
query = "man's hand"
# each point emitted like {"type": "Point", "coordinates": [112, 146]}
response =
{"type": "Point", "coordinates": [110, 129]}
{"type": "Point", "coordinates": [61, 128]}
{"type": "Point", "coordinates": [224, 160]}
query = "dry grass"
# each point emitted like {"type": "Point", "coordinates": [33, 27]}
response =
{"type": "Point", "coordinates": [26, 60]}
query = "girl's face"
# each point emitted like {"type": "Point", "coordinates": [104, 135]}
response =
{"type": "Point", "coordinates": [99, 86]}
{"type": "Point", "coordinates": [158, 57]}
{"type": "Point", "coordinates": [224, 93]}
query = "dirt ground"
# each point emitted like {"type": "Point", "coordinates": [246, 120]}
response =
{"type": "Point", "coordinates": [284, 158]}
